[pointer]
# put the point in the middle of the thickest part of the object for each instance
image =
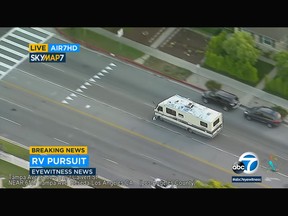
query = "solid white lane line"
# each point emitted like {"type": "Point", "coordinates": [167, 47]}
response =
{"type": "Point", "coordinates": [10, 121]}
{"type": "Point", "coordinates": [48, 65]}
{"type": "Point", "coordinates": [111, 161]}
{"type": "Point", "coordinates": [61, 141]}
{"type": "Point", "coordinates": [151, 158]}
{"type": "Point", "coordinates": [16, 104]}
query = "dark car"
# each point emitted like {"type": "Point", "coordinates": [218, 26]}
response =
{"type": "Point", "coordinates": [223, 98]}
{"type": "Point", "coordinates": [263, 114]}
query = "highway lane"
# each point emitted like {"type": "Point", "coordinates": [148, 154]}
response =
{"type": "Point", "coordinates": [134, 90]}
{"type": "Point", "coordinates": [110, 154]}
{"type": "Point", "coordinates": [115, 89]}
{"type": "Point", "coordinates": [115, 153]}
{"type": "Point", "coordinates": [138, 151]}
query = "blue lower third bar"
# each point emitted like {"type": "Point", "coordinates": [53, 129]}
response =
{"type": "Point", "coordinates": [246, 179]}
{"type": "Point", "coordinates": [61, 171]}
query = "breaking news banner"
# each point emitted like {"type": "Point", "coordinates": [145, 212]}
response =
{"type": "Point", "coordinates": [59, 160]}
{"type": "Point", "coordinates": [50, 53]}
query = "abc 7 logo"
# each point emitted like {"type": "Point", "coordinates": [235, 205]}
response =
{"type": "Point", "coordinates": [248, 163]}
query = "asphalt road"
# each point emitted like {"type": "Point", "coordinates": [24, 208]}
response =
{"type": "Point", "coordinates": [3, 31]}
{"type": "Point", "coordinates": [118, 153]}
{"type": "Point", "coordinates": [118, 120]}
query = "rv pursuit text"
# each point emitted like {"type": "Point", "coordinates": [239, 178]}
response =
{"type": "Point", "coordinates": [192, 116]}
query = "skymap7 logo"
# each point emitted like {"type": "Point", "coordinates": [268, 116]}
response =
{"type": "Point", "coordinates": [47, 57]}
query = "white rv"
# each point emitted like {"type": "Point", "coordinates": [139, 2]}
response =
{"type": "Point", "coordinates": [190, 115]}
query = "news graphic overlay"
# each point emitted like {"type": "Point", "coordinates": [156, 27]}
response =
{"type": "Point", "coordinates": [248, 163]}
{"type": "Point", "coordinates": [59, 160]}
{"type": "Point", "coordinates": [274, 163]}
{"type": "Point", "coordinates": [50, 53]}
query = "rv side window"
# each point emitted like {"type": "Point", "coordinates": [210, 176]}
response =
{"type": "Point", "coordinates": [180, 115]}
{"type": "Point", "coordinates": [160, 108]}
{"type": "Point", "coordinates": [171, 112]}
{"type": "Point", "coordinates": [203, 124]}
{"type": "Point", "coordinates": [216, 122]}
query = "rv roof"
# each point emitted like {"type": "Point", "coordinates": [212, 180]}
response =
{"type": "Point", "coordinates": [183, 104]}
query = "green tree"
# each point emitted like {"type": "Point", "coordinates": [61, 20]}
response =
{"type": "Point", "coordinates": [215, 44]}
{"type": "Point", "coordinates": [213, 85]}
{"type": "Point", "coordinates": [281, 59]}
{"type": "Point", "coordinates": [247, 72]}
{"type": "Point", "coordinates": [241, 47]}
{"type": "Point", "coordinates": [234, 54]}
{"type": "Point", "coordinates": [278, 86]}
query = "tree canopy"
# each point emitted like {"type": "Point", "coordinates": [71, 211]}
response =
{"type": "Point", "coordinates": [234, 54]}
{"type": "Point", "coordinates": [241, 47]}
{"type": "Point", "coordinates": [281, 59]}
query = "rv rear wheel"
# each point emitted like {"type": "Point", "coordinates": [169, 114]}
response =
{"type": "Point", "coordinates": [189, 130]}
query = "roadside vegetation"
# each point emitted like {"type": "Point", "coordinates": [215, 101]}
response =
{"type": "Point", "coordinates": [234, 55]}
{"type": "Point", "coordinates": [13, 149]}
{"type": "Point", "coordinates": [101, 42]}
{"type": "Point", "coordinates": [213, 85]}
{"type": "Point", "coordinates": [279, 85]}
{"type": "Point", "coordinates": [168, 69]}
{"type": "Point", "coordinates": [212, 184]}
